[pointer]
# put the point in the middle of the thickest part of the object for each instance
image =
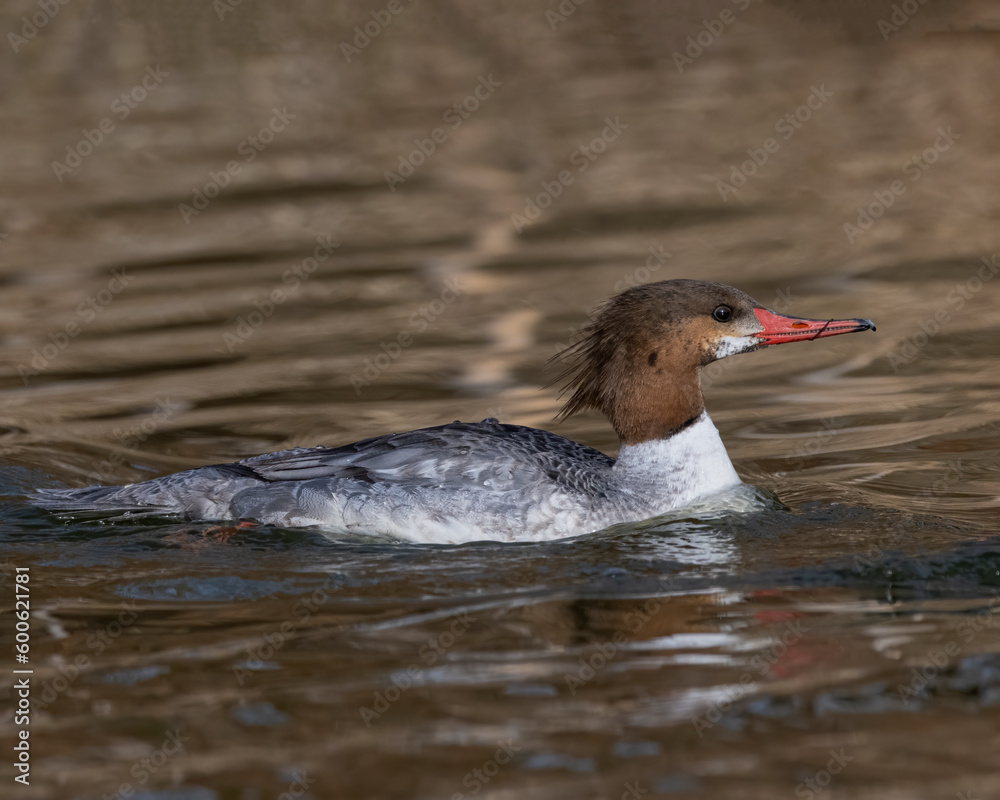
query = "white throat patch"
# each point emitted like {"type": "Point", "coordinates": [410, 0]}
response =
{"type": "Point", "coordinates": [731, 345]}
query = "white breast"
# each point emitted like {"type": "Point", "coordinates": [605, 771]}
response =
{"type": "Point", "coordinates": [676, 471]}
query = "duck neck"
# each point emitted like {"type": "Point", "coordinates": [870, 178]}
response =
{"type": "Point", "coordinates": [655, 405]}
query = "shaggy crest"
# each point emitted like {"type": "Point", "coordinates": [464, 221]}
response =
{"type": "Point", "coordinates": [582, 372]}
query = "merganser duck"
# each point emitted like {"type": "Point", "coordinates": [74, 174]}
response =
{"type": "Point", "coordinates": [638, 362]}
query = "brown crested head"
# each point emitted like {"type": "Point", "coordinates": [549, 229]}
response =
{"type": "Point", "coordinates": [638, 362]}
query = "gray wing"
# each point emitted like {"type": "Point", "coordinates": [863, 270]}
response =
{"type": "Point", "coordinates": [488, 454]}
{"type": "Point", "coordinates": [461, 453]}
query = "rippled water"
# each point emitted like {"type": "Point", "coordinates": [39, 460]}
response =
{"type": "Point", "coordinates": [162, 311]}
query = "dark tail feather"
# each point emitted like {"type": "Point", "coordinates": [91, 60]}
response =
{"type": "Point", "coordinates": [91, 498]}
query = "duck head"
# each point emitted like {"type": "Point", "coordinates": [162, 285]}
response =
{"type": "Point", "coordinates": [639, 361]}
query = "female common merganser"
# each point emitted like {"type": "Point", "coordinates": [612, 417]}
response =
{"type": "Point", "coordinates": [639, 363]}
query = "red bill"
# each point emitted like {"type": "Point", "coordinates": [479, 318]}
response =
{"type": "Point", "coordinates": [779, 329]}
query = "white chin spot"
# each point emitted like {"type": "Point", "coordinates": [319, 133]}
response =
{"type": "Point", "coordinates": [731, 345]}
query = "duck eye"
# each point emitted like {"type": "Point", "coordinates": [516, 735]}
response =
{"type": "Point", "coordinates": [723, 314]}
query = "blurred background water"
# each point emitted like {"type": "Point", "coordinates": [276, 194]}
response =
{"type": "Point", "coordinates": [232, 227]}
